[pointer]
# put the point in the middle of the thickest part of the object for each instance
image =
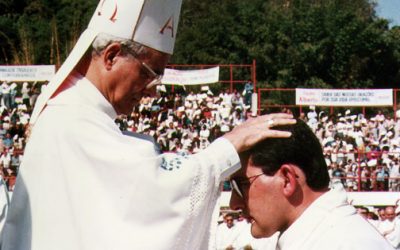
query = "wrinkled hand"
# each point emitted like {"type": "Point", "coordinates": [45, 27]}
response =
{"type": "Point", "coordinates": [254, 130]}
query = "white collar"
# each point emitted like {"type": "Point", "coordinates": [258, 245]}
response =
{"type": "Point", "coordinates": [308, 221]}
{"type": "Point", "coordinates": [91, 94]}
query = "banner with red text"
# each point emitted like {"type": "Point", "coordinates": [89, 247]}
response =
{"type": "Point", "coordinates": [191, 77]}
{"type": "Point", "coordinates": [344, 97]}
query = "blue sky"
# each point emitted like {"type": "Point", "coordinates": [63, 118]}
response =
{"type": "Point", "coordinates": [389, 9]}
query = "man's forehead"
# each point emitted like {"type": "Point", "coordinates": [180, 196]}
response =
{"type": "Point", "coordinates": [246, 166]}
{"type": "Point", "coordinates": [389, 210]}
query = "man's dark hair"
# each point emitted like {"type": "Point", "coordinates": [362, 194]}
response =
{"type": "Point", "coordinates": [301, 149]}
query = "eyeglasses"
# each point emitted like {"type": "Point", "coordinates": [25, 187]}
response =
{"type": "Point", "coordinates": [236, 184]}
{"type": "Point", "coordinates": [156, 78]}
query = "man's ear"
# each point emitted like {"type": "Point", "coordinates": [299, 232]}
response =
{"type": "Point", "coordinates": [289, 175]}
{"type": "Point", "coordinates": [110, 54]}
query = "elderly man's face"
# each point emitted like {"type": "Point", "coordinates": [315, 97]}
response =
{"type": "Point", "coordinates": [131, 78]}
{"type": "Point", "coordinates": [261, 201]}
{"type": "Point", "coordinates": [390, 213]}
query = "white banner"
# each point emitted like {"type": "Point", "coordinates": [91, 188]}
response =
{"type": "Point", "coordinates": [344, 97]}
{"type": "Point", "coordinates": [191, 77]}
{"type": "Point", "coordinates": [21, 73]}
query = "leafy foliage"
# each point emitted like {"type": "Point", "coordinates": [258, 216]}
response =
{"type": "Point", "coordinates": [29, 29]}
{"type": "Point", "coordinates": [313, 43]}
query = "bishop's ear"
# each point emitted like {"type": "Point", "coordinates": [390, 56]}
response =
{"type": "Point", "coordinates": [110, 54]}
{"type": "Point", "coordinates": [290, 178]}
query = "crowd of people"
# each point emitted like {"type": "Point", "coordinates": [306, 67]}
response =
{"type": "Point", "coordinates": [362, 153]}
{"type": "Point", "coordinates": [16, 103]}
{"type": "Point", "coordinates": [187, 123]}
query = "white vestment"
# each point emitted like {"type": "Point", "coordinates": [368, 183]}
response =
{"type": "Point", "coordinates": [330, 223]}
{"type": "Point", "coordinates": [394, 235]}
{"type": "Point", "coordinates": [85, 185]}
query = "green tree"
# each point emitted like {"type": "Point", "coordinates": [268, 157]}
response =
{"type": "Point", "coordinates": [35, 32]}
{"type": "Point", "coordinates": [314, 43]}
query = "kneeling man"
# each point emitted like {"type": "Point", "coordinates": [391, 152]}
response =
{"type": "Point", "coordinates": [283, 186]}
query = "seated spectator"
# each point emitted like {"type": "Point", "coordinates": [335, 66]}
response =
{"type": "Point", "coordinates": [8, 142]}
{"type": "Point", "coordinates": [381, 176]}
{"type": "Point", "coordinates": [227, 233]}
{"type": "Point", "coordinates": [15, 161]}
